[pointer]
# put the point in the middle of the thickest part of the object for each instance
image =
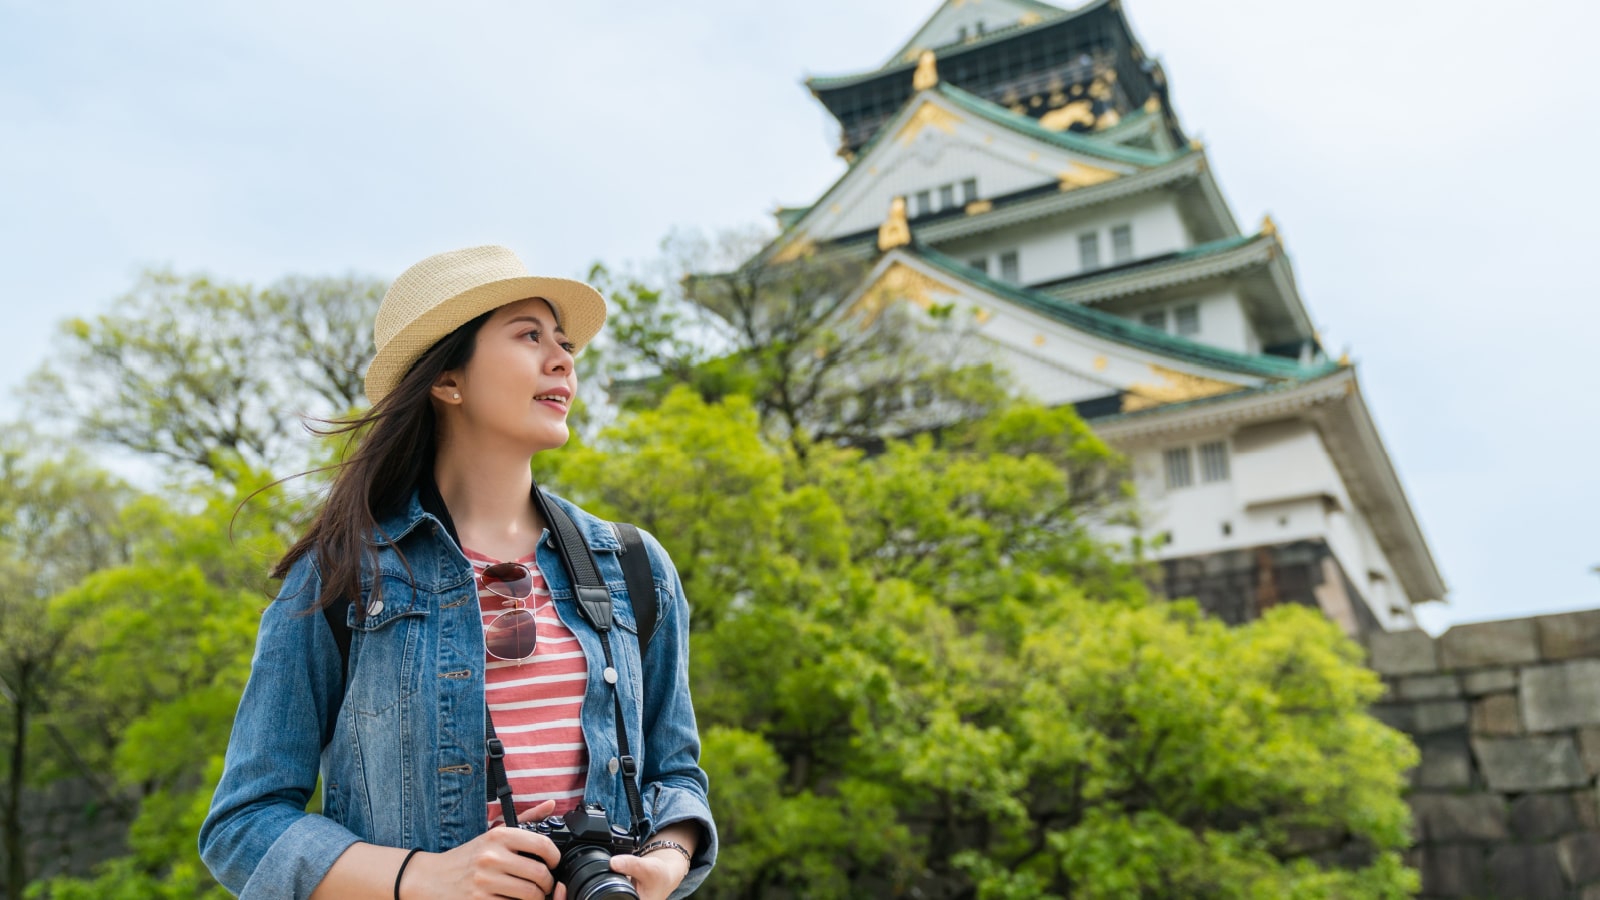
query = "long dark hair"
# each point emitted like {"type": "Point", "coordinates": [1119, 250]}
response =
{"type": "Point", "coordinates": [377, 478]}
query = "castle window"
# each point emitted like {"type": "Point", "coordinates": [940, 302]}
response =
{"type": "Point", "coordinates": [1180, 472]}
{"type": "Point", "coordinates": [1214, 461]}
{"type": "Point", "coordinates": [1155, 318]}
{"type": "Point", "coordinates": [1122, 243]}
{"type": "Point", "coordinates": [1089, 250]}
{"type": "Point", "coordinates": [1187, 319]}
{"type": "Point", "coordinates": [969, 190]}
{"type": "Point", "coordinates": [923, 204]}
{"type": "Point", "coordinates": [980, 263]}
{"type": "Point", "coordinates": [1009, 269]}
{"type": "Point", "coordinates": [947, 196]}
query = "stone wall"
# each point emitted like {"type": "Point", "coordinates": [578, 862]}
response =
{"type": "Point", "coordinates": [1507, 716]}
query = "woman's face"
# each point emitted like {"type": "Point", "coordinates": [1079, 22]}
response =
{"type": "Point", "coordinates": [519, 384]}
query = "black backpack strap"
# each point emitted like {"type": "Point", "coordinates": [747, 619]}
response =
{"type": "Point", "coordinates": [641, 582]}
{"type": "Point", "coordinates": [594, 604]}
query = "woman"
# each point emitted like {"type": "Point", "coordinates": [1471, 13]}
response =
{"type": "Point", "coordinates": [432, 530]}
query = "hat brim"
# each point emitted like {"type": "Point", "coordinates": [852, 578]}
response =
{"type": "Point", "coordinates": [579, 308]}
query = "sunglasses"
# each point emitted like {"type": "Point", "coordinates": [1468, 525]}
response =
{"type": "Point", "coordinates": [510, 636]}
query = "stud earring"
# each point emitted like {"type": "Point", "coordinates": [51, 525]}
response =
{"type": "Point", "coordinates": [455, 396]}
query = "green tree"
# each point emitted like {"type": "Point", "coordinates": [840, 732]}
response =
{"type": "Point", "coordinates": [821, 361]}
{"type": "Point", "coordinates": [58, 518]}
{"type": "Point", "coordinates": [206, 373]}
{"type": "Point", "coordinates": [156, 658]}
{"type": "Point", "coordinates": [919, 670]}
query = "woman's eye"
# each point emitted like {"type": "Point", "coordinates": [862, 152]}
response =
{"type": "Point", "coordinates": [570, 347]}
{"type": "Point", "coordinates": [532, 335]}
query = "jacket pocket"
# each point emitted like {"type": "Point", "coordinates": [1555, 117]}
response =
{"type": "Point", "coordinates": [384, 648]}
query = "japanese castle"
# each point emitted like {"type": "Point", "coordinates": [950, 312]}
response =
{"type": "Point", "coordinates": [1024, 163]}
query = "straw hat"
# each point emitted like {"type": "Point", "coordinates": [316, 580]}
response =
{"type": "Point", "coordinates": [443, 292]}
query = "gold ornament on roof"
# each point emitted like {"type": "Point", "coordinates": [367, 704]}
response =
{"type": "Point", "coordinates": [898, 282]}
{"type": "Point", "coordinates": [1079, 175]}
{"type": "Point", "coordinates": [928, 114]}
{"type": "Point", "coordinates": [1078, 112]}
{"type": "Point", "coordinates": [1152, 104]}
{"type": "Point", "coordinates": [894, 232]}
{"type": "Point", "coordinates": [1269, 227]}
{"type": "Point", "coordinates": [1107, 119]}
{"type": "Point", "coordinates": [927, 74]}
{"type": "Point", "coordinates": [1173, 387]}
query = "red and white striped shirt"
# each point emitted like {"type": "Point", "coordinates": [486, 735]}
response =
{"type": "Point", "coordinates": [537, 704]}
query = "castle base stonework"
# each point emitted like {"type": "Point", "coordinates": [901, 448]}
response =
{"type": "Point", "coordinates": [1506, 798]}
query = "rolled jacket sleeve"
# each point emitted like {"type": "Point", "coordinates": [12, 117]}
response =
{"type": "Point", "coordinates": [258, 840]}
{"type": "Point", "coordinates": [676, 787]}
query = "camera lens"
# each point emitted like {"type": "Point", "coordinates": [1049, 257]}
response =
{"type": "Point", "coordinates": [588, 876]}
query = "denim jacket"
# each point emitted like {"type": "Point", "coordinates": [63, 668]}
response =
{"type": "Point", "coordinates": [402, 757]}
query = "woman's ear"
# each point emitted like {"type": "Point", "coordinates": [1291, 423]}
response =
{"type": "Point", "coordinates": [446, 388]}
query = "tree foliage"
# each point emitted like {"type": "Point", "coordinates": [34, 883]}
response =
{"type": "Point", "coordinates": [156, 654]}
{"type": "Point", "coordinates": [207, 373]}
{"type": "Point", "coordinates": [58, 522]}
{"type": "Point", "coordinates": [919, 670]}
{"type": "Point", "coordinates": [820, 360]}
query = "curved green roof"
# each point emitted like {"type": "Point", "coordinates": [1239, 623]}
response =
{"type": "Point", "coordinates": [1069, 140]}
{"type": "Point", "coordinates": [1126, 331]}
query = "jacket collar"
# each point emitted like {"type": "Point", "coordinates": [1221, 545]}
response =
{"type": "Point", "coordinates": [426, 504]}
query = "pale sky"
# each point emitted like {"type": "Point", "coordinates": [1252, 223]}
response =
{"type": "Point", "coordinates": [1427, 164]}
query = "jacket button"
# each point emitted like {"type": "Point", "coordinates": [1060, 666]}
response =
{"type": "Point", "coordinates": [610, 675]}
{"type": "Point", "coordinates": [613, 765]}
{"type": "Point", "coordinates": [374, 607]}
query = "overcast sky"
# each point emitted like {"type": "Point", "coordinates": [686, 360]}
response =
{"type": "Point", "coordinates": [1428, 164]}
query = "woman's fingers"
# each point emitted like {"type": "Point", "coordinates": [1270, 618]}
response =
{"type": "Point", "coordinates": [538, 813]}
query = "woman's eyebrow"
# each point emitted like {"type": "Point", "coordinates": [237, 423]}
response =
{"type": "Point", "coordinates": [537, 321]}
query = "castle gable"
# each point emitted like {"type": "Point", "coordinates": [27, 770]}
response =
{"type": "Point", "coordinates": [941, 156]}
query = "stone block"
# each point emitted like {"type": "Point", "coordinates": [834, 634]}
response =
{"type": "Point", "coordinates": [1454, 818]}
{"type": "Point", "coordinates": [1588, 809]}
{"type": "Point", "coordinates": [1580, 857]}
{"type": "Point", "coordinates": [1589, 748]}
{"type": "Point", "coordinates": [1532, 871]}
{"type": "Point", "coordinates": [1516, 764]}
{"type": "Point", "coordinates": [1399, 716]}
{"type": "Point", "coordinates": [1402, 652]}
{"type": "Point", "coordinates": [1482, 644]}
{"type": "Point", "coordinates": [1564, 695]}
{"type": "Point", "coordinates": [1488, 681]}
{"type": "Point", "coordinates": [1446, 763]}
{"type": "Point", "coordinates": [1569, 635]}
{"type": "Point", "coordinates": [1496, 714]}
{"type": "Point", "coordinates": [1452, 870]}
{"type": "Point", "coordinates": [1427, 687]}
{"type": "Point", "coordinates": [1539, 817]}
{"type": "Point", "coordinates": [1433, 716]}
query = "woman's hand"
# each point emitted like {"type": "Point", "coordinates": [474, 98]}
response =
{"type": "Point", "coordinates": [490, 866]}
{"type": "Point", "coordinates": [655, 874]}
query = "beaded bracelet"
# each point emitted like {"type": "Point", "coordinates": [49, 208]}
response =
{"type": "Point", "coordinates": [402, 873]}
{"type": "Point", "coordinates": [667, 845]}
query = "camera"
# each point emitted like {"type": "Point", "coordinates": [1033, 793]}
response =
{"type": "Point", "coordinates": [586, 840]}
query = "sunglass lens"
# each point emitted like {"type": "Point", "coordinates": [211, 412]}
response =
{"type": "Point", "coordinates": [511, 635]}
{"type": "Point", "coordinates": [510, 580]}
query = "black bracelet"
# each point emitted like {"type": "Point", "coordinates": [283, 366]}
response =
{"type": "Point", "coordinates": [402, 873]}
